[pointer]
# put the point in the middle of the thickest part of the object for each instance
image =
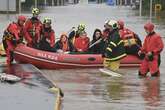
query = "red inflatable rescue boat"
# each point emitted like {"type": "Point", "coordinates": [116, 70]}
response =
{"type": "Point", "coordinates": [50, 60]}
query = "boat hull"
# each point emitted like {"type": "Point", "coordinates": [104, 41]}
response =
{"type": "Point", "coordinates": [50, 60]}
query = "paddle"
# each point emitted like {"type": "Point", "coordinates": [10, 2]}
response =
{"type": "Point", "coordinates": [9, 78]}
{"type": "Point", "coordinates": [110, 72]}
{"type": "Point", "coordinates": [95, 43]}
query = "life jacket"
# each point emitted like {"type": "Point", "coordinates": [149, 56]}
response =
{"type": "Point", "coordinates": [82, 43]}
{"type": "Point", "coordinates": [11, 32]}
{"type": "Point", "coordinates": [128, 37]}
{"type": "Point", "coordinates": [33, 26]}
{"type": "Point", "coordinates": [65, 46]}
{"type": "Point", "coordinates": [46, 34]}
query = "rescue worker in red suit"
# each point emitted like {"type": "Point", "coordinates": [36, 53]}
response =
{"type": "Point", "coordinates": [132, 42]}
{"type": "Point", "coordinates": [33, 28]}
{"type": "Point", "coordinates": [150, 51]}
{"type": "Point", "coordinates": [76, 33]}
{"type": "Point", "coordinates": [12, 36]}
{"type": "Point", "coordinates": [81, 43]}
{"type": "Point", "coordinates": [47, 40]}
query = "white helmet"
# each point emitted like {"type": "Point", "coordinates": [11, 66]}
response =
{"type": "Point", "coordinates": [112, 23]}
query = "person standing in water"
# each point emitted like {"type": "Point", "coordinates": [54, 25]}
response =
{"type": "Point", "coordinates": [114, 47]}
{"type": "Point", "coordinates": [150, 52]}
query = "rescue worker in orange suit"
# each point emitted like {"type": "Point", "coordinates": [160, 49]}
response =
{"type": "Point", "coordinates": [33, 28]}
{"type": "Point", "coordinates": [81, 43]}
{"type": "Point", "coordinates": [12, 36]}
{"type": "Point", "coordinates": [150, 51]}
{"type": "Point", "coordinates": [114, 48]}
{"type": "Point", "coordinates": [132, 42]}
{"type": "Point", "coordinates": [47, 40]}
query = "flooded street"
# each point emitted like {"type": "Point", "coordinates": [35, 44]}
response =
{"type": "Point", "coordinates": [89, 89]}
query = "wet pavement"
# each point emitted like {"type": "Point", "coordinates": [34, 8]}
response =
{"type": "Point", "coordinates": [88, 88]}
{"type": "Point", "coordinates": [32, 92]}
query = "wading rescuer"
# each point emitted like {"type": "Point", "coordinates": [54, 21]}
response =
{"type": "Point", "coordinates": [150, 52]}
{"type": "Point", "coordinates": [12, 36]}
{"type": "Point", "coordinates": [132, 42]}
{"type": "Point", "coordinates": [114, 46]}
{"type": "Point", "coordinates": [33, 28]}
{"type": "Point", "coordinates": [47, 40]}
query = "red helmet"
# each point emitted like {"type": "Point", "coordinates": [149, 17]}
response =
{"type": "Point", "coordinates": [21, 18]}
{"type": "Point", "coordinates": [121, 23]}
{"type": "Point", "coordinates": [149, 26]}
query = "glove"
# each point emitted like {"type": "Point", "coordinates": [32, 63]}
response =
{"type": "Point", "coordinates": [141, 55]}
{"type": "Point", "coordinates": [150, 56]}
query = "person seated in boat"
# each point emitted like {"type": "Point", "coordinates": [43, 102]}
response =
{"type": "Point", "coordinates": [47, 39]}
{"type": "Point", "coordinates": [96, 44]}
{"type": "Point", "coordinates": [132, 42]}
{"type": "Point", "coordinates": [81, 43]}
{"type": "Point", "coordinates": [150, 52]}
{"type": "Point", "coordinates": [76, 32]}
{"type": "Point", "coordinates": [33, 28]}
{"type": "Point", "coordinates": [64, 45]}
{"type": "Point", "coordinates": [13, 35]}
{"type": "Point", "coordinates": [114, 49]}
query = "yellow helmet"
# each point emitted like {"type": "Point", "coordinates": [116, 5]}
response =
{"type": "Point", "coordinates": [112, 23]}
{"type": "Point", "coordinates": [47, 20]}
{"type": "Point", "coordinates": [35, 11]}
{"type": "Point", "coordinates": [81, 27]}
